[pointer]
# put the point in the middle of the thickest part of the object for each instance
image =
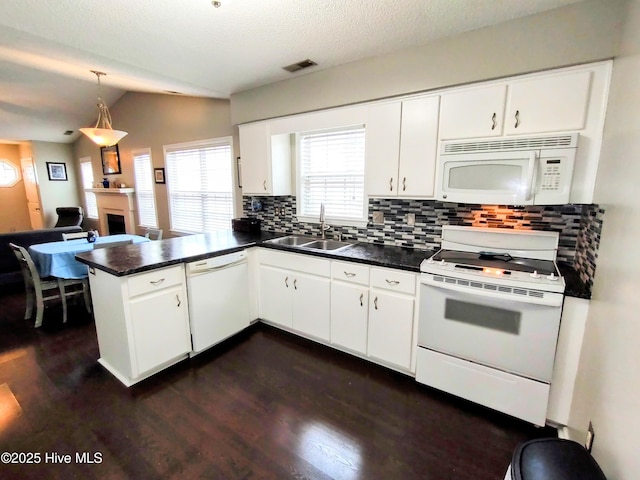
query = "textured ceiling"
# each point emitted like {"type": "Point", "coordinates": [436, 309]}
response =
{"type": "Point", "coordinates": [47, 47]}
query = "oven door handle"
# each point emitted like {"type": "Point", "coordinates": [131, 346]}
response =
{"type": "Point", "coordinates": [550, 299]}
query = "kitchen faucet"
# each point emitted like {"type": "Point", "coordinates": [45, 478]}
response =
{"type": "Point", "coordinates": [323, 226]}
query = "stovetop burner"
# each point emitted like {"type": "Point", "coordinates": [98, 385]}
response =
{"type": "Point", "coordinates": [497, 261]}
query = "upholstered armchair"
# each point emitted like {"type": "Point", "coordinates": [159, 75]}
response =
{"type": "Point", "coordinates": [69, 216]}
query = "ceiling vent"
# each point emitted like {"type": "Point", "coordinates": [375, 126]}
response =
{"type": "Point", "coordinates": [294, 67]}
{"type": "Point", "coordinates": [68, 132]}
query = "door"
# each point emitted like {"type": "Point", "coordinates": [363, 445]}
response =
{"type": "Point", "coordinates": [160, 325]}
{"type": "Point", "coordinates": [30, 178]}
{"type": "Point", "coordinates": [311, 305]}
{"type": "Point", "coordinates": [275, 295]}
{"type": "Point", "coordinates": [218, 305]}
{"type": "Point", "coordinates": [511, 335]}
{"type": "Point", "coordinates": [349, 313]}
{"type": "Point", "coordinates": [476, 112]}
{"type": "Point", "coordinates": [391, 328]}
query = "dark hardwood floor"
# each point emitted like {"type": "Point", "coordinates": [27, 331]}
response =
{"type": "Point", "coordinates": [265, 404]}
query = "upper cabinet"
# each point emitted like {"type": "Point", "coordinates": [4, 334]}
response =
{"type": "Point", "coordinates": [265, 161]}
{"type": "Point", "coordinates": [473, 112]}
{"type": "Point", "coordinates": [549, 103]}
{"type": "Point", "coordinates": [401, 145]}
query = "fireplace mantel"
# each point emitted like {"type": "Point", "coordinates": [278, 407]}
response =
{"type": "Point", "coordinates": [116, 201]}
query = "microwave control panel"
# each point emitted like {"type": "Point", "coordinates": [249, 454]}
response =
{"type": "Point", "coordinates": [551, 174]}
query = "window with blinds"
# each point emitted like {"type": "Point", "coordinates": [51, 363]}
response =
{"type": "Point", "coordinates": [145, 196]}
{"type": "Point", "coordinates": [200, 185]}
{"type": "Point", "coordinates": [332, 172]}
{"type": "Point", "coordinates": [86, 172]}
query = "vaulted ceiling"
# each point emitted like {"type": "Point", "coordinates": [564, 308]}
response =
{"type": "Point", "coordinates": [48, 47]}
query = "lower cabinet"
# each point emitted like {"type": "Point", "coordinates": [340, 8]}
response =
{"type": "Point", "coordinates": [295, 293]}
{"type": "Point", "coordinates": [349, 316]}
{"type": "Point", "coordinates": [142, 321]}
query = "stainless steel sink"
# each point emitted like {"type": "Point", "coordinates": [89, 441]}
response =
{"type": "Point", "coordinates": [327, 245]}
{"type": "Point", "coordinates": [291, 240]}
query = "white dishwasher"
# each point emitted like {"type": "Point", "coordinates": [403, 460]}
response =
{"type": "Point", "coordinates": [218, 292]}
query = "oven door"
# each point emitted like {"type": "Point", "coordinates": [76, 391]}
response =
{"type": "Point", "coordinates": [490, 328]}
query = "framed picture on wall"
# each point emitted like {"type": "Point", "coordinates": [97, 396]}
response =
{"type": "Point", "coordinates": [110, 160]}
{"type": "Point", "coordinates": [159, 175]}
{"type": "Point", "coordinates": [57, 171]}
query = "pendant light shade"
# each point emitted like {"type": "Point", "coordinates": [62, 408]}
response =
{"type": "Point", "coordinates": [102, 134]}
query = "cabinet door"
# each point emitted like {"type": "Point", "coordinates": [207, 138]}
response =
{"type": "Point", "coordinates": [549, 104]}
{"type": "Point", "coordinates": [477, 112]}
{"type": "Point", "coordinates": [391, 328]}
{"type": "Point", "coordinates": [382, 147]}
{"type": "Point", "coordinates": [311, 305]}
{"type": "Point", "coordinates": [160, 327]}
{"type": "Point", "coordinates": [275, 295]}
{"type": "Point", "coordinates": [349, 312]}
{"type": "Point", "coordinates": [418, 146]}
{"type": "Point", "coordinates": [255, 157]}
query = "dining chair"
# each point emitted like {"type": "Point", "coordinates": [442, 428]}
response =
{"type": "Point", "coordinates": [35, 287]}
{"type": "Point", "coordinates": [153, 233]}
{"type": "Point", "coordinates": [74, 235]}
{"type": "Point", "coordinates": [111, 244]}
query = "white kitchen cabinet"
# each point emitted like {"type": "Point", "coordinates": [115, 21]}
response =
{"type": "Point", "coordinates": [551, 103]}
{"type": "Point", "coordinates": [473, 112]}
{"type": "Point", "coordinates": [418, 147]}
{"type": "Point", "coordinates": [349, 306]}
{"type": "Point", "coordinates": [295, 293]}
{"type": "Point", "coordinates": [391, 316]}
{"type": "Point", "coordinates": [142, 321]}
{"type": "Point", "coordinates": [265, 160]}
{"type": "Point", "coordinates": [382, 147]}
{"type": "Point", "coordinates": [401, 146]}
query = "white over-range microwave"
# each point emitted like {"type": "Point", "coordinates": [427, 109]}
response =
{"type": "Point", "coordinates": [533, 170]}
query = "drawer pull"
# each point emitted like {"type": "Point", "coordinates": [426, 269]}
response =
{"type": "Point", "coordinates": [361, 297]}
{"type": "Point", "coordinates": [286, 282]}
{"type": "Point", "coordinates": [393, 283]}
{"type": "Point", "coordinates": [295, 284]}
{"type": "Point", "coordinates": [178, 299]}
{"type": "Point", "coordinates": [350, 274]}
{"type": "Point", "coordinates": [155, 283]}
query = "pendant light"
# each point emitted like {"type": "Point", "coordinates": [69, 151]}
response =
{"type": "Point", "coordinates": [102, 134]}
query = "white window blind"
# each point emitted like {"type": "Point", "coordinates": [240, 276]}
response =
{"type": "Point", "coordinates": [332, 172]}
{"type": "Point", "coordinates": [145, 189]}
{"type": "Point", "coordinates": [86, 172]}
{"type": "Point", "coordinates": [200, 184]}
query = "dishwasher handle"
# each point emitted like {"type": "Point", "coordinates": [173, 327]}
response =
{"type": "Point", "coordinates": [198, 268]}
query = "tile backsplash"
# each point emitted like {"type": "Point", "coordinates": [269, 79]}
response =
{"type": "Point", "coordinates": [579, 226]}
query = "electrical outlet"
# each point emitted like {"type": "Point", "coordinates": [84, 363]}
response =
{"type": "Point", "coordinates": [282, 212]}
{"type": "Point", "coordinates": [588, 443]}
{"type": "Point", "coordinates": [378, 217]}
{"type": "Point", "coordinates": [411, 219]}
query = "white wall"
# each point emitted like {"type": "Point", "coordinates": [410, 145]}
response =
{"type": "Point", "coordinates": [579, 33]}
{"type": "Point", "coordinates": [608, 385]}
{"type": "Point", "coordinates": [55, 194]}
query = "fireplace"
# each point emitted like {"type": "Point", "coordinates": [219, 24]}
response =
{"type": "Point", "coordinates": [115, 224]}
{"type": "Point", "coordinates": [115, 210]}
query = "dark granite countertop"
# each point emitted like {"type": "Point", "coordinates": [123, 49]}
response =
{"type": "Point", "coordinates": [130, 259]}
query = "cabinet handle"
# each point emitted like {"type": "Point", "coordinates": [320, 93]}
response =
{"type": "Point", "coordinates": [286, 282]}
{"type": "Point", "coordinates": [361, 297]}
{"type": "Point", "coordinates": [494, 123]}
{"type": "Point", "coordinates": [349, 274]}
{"type": "Point", "coordinates": [295, 284]}
{"type": "Point", "coordinates": [156, 282]}
{"type": "Point", "coordinates": [517, 119]}
{"type": "Point", "coordinates": [178, 299]}
{"type": "Point", "coordinates": [264, 185]}
{"type": "Point", "coordinates": [391, 184]}
{"type": "Point", "coordinates": [404, 183]}
{"type": "Point", "coordinates": [375, 302]}
{"type": "Point", "coordinates": [393, 283]}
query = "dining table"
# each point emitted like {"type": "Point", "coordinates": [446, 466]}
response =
{"type": "Point", "coordinates": [57, 259]}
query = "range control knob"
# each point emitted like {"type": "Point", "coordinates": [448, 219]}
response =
{"type": "Point", "coordinates": [552, 277]}
{"type": "Point", "coordinates": [430, 260]}
{"type": "Point", "coordinates": [442, 262]}
{"type": "Point", "coordinates": [535, 274]}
